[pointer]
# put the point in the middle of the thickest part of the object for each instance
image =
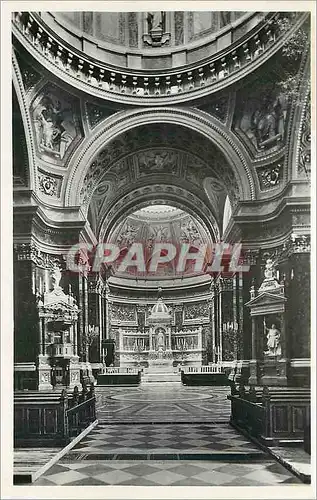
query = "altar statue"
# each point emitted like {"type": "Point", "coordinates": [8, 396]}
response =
{"type": "Point", "coordinates": [160, 339]}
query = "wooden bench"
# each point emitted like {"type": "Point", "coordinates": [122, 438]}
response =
{"type": "Point", "coordinates": [275, 415]}
{"type": "Point", "coordinates": [51, 418]}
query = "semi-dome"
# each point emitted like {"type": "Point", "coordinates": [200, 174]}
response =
{"type": "Point", "coordinates": [154, 224]}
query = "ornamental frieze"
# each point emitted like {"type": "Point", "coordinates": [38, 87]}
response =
{"type": "Point", "coordinates": [304, 153]}
{"type": "Point", "coordinates": [196, 311]}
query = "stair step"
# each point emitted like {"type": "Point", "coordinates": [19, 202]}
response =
{"type": "Point", "coordinates": [161, 377]}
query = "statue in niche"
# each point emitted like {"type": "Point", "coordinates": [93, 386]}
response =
{"type": "Point", "coordinates": [156, 35]}
{"type": "Point", "coordinates": [160, 340]}
{"type": "Point", "coordinates": [155, 21]}
{"type": "Point", "coordinates": [56, 275]}
{"type": "Point", "coordinates": [273, 340]}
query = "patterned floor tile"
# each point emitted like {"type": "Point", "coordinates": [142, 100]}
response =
{"type": "Point", "coordinates": [88, 481]}
{"type": "Point", "coordinates": [182, 451]}
{"type": "Point", "coordinates": [114, 477]}
{"type": "Point", "coordinates": [164, 478]}
{"type": "Point", "coordinates": [214, 477]}
{"type": "Point", "coordinates": [266, 476]}
{"type": "Point", "coordinates": [65, 477]}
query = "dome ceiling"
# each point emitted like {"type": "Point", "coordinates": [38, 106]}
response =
{"type": "Point", "coordinates": [159, 224]}
{"type": "Point", "coordinates": [153, 35]}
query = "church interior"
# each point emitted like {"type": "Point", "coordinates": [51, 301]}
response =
{"type": "Point", "coordinates": [144, 145]}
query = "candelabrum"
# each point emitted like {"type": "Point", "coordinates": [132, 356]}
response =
{"type": "Point", "coordinates": [230, 327]}
{"type": "Point", "coordinates": [91, 332]}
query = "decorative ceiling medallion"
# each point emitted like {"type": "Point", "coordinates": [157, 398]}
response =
{"type": "Point", "coordinates": [218, 108]}
{"type": "Point", "coordinates": [30, 77]}
{"type": "Point", "coordinates": [96, 113]}
{"type": "Point", "coordinates": [49, 184]}
{"type": "Point", "coordinates": [270, 176]}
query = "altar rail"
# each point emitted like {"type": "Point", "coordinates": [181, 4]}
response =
{"type": "Point", "coordinates": [278, 414]}
{"type": "Point", "coordinates": [51, 419]}
{"type": "Point", "coordinates": [215, 374]}
{"type": "Point", "coordinates": [216, 368]}
{"type": "Point", "coordinates": [116, 370]}
{"type": "Point", "coordinates": [119, 376]}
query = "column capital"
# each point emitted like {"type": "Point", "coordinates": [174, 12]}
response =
{"type": "Point", "coordinates": [30, 252]}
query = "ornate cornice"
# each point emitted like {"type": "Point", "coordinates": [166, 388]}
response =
{"type": "Point", "coordinates": [31, 252]}
{"type": "Point", "coordinates": [153, 87]}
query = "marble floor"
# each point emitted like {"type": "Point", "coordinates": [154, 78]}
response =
{"type": "Point", "coordinates": [163, 402]}
{"type": "Point", "coordinates": [165, 435]}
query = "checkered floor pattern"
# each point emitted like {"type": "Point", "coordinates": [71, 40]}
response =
{"type": "Point", "coordinates": [167, 473]}
{"type": "Point", "coordinates": [173, 438]}
{"type": "Point", "coordinates": [165, 435]}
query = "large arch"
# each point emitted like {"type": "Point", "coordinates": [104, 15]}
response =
{"type": "Point", "coordinates": [205, 126]}
{"type": "Point", "coordinates": [159, 193]}
{"type": "Point", "coordinates": [26, 120]}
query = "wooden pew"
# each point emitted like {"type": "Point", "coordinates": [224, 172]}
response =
{"type": "Point", "coordinates": [52, 418]}
{"type": "Point", "coordinates": [274, 415]}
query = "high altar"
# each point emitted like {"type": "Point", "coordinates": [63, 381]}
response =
{"type": "Point", "coordinates": [159, 347]}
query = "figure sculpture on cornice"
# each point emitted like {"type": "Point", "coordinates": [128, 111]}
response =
{"type": "Point", "coordinates": [56, 275]}
{"type": "Point", "coordinates": [270, 271]}
{"type": "Point", "coordinates": [155, 20]}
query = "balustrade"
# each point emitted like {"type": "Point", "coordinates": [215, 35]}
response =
{"type": "Point", "coordinates": [30, 28]}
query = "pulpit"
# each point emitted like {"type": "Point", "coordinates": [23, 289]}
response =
{"type": "Point", "coordinates": [267, 308]}
{"type": "Point", "coordinates": [58, 361]}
